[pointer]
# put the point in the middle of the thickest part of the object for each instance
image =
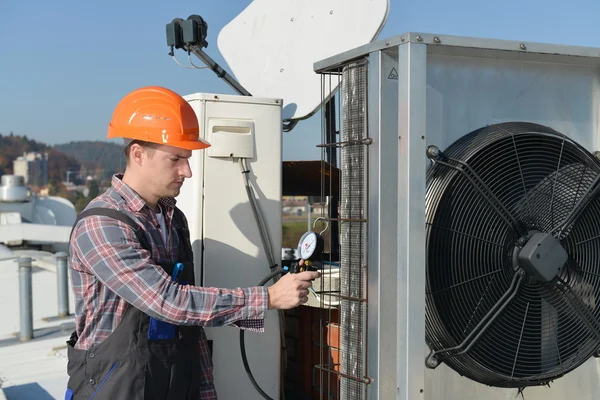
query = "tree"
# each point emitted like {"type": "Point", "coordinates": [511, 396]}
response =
{"type": "Point", "coordinates": [53, 189]}
{"type": "Point", "coordinates": [93, 189]}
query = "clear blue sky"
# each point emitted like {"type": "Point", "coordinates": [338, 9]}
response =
{"type": "Point", "coordinates": [65, 64]}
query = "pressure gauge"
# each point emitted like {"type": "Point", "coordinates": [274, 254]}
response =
{"type": "Point", "coordinates": [310, 247]}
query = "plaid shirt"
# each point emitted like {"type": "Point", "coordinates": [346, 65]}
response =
{"type": "Point", "coordinates": [110, 269]}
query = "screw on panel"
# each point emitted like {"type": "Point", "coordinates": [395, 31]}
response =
{"type": "Point", "coordinates": [597, 155]}
{"type": "Point", "coordinates": [522, 46]}
{"type": "Point", "coordinates": [292, 19]}
{"type": "Point", "coordinates": [419, 38]}
{"type": "Point", "coordinates": [437, 40]}
{"type": "Point", "coordinates": [433, 152]}
{"type": "Point", "coordinates": [387, 42]}
{"type": "Point", "coordinates": [432, 362]}
{"type": "Point", "coordinates": [331, 12]}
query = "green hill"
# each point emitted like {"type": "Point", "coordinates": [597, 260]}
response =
{"type": "Point", "coordinates": [82, 158]}
{"type": "Point", "coordinates": [102, 159]}
{"type": "Point", "coordinates": [13, 146]}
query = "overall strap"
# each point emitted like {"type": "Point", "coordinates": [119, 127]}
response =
{"type": "Point", "coordinates": [185, 248]}
{"type": "Point", "coordinates": [182, 230]}
{"type": "Point", "coordinates": [119, 215]}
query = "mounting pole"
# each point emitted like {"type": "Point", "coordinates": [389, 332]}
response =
{"type": "Point", "coordinates": [62, 278]}
{"type": "Point", "coordinates": [25, 299]}
{"type": "Point", "coordinates": [221, 73]}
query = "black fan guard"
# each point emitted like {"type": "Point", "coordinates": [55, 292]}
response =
{"type": "Point", "coordinates": [494, 316]}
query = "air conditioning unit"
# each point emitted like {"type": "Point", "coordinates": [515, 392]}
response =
{"type": "Point", "coordinates": [241, 170]}
{"type": "Point", "coordinates": [469, 218]}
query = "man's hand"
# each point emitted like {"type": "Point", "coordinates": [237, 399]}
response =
{"type": "Point", "coordinates": [291, 290]}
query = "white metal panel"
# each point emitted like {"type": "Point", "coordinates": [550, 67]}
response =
{"type": "Point", "coordinates": [471, 46]}
{"type": "Point", "coordinates": [228, 98]}
{"type": "Point", "coordinates": [383, 298]}
{"type": "Point", "coordinates": [411, 220]}
{"type": "Point", "coordinates": [271, 46]}
{"type": "Point", "coordinates": [580, 384]}
{"type": "Point", "coordinates": [218, 209]}
{"type": "Point", "coordinates": [467, 93]}
{"type": "Point", "coordinates": [190, 199]}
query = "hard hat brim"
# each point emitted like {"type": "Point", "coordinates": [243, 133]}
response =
{"type": "Point", "coordinates": [192, 145]}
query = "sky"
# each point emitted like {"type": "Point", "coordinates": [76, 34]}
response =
{"type": "Point", "coordinates": [65, 64]}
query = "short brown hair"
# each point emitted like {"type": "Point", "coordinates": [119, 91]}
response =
{"type": "Point", "coordinates": [148, 145]}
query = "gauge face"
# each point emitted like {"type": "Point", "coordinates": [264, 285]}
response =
{"type": "Point", "coordinates": [308, 244]}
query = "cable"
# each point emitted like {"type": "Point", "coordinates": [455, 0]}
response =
{"type": "Point", "coordinates": [243, 345]}
{"type": "Point", "coordinates": [287, 127]}
{"type": "Point", "coordinates": [266, 241]}
{"type": "Point", "coordinates": [192, 66]}
{"type": "Point", "coordinates": [262, 226]}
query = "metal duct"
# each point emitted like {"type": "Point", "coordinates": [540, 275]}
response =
{"type": "Point", "coordinates": [352, 231]}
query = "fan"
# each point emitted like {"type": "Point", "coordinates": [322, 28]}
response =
{"type": "Point", "coordinates": [513, 255]}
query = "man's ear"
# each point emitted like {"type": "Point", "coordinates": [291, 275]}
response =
{"type": "Point", "coordinates": [136, 154]}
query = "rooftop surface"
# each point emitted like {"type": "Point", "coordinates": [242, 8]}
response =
{"type": "Point", "coordinates": [33, 369]}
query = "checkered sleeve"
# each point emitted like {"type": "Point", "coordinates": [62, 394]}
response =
{"type": "Point", "coordinates": [112, 252]}
{"type": "Point", "coordinates": [250, 317]}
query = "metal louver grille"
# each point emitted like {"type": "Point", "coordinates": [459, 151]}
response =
{"type": "Point", "coordinates": [352, 231]}
{"type": "Point", "coordinates": [491, 314]}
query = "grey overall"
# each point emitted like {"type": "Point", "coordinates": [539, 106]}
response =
{"type": "Point", "coordinates": [143, 359]}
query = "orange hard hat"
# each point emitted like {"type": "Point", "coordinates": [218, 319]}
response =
{"type": "Point", "coordinates": [158, 115]}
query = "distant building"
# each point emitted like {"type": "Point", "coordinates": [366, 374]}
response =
{"type": "Point", "coordinates": [33, 167]}
{"type": "Point", "coordinates": [297, 205]}
{"type": "Point", "coordinates": [294, 205]}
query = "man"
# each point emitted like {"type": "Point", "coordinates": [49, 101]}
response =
{"type": "Point", "coordinates": [139, 316]}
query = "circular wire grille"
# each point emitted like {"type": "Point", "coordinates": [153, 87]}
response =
{"type": "Point", "coordinates": [547, 329]}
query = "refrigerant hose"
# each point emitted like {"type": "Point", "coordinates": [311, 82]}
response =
{"type": "Point", "coordinates": [267, 246]}
{"type": "Point", "coordinates": [243, 345]}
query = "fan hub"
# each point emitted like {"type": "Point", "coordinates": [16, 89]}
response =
{"type": "Point", "coordinates": [542, 257]}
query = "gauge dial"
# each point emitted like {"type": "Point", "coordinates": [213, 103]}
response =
{"type": "Point", "coordinates": [309, 245]}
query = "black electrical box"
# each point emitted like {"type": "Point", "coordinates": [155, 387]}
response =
{"type": "Point", "coordinates": [174, 35]}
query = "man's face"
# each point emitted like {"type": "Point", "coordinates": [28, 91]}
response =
{"type": "Point", "coordinates": [165, 169]}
